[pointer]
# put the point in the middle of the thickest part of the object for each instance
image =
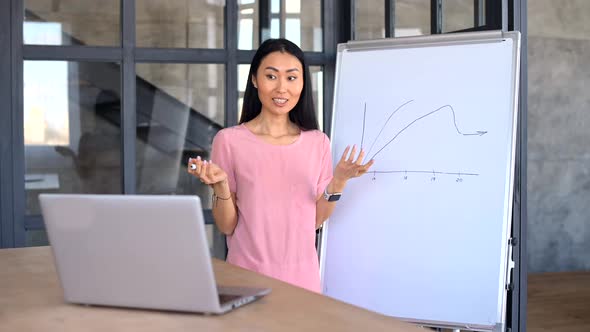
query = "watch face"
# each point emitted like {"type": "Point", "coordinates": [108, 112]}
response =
{"type": "Point", "coordinates": [334, 198]}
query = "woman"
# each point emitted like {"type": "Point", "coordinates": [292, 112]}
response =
{"type": "Point", "coordinates": [272, 174]}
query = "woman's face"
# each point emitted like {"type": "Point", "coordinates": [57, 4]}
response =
{"type": "Point", "coordinates": [279, 80]}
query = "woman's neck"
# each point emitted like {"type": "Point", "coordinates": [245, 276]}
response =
{"type": "Point", "coordinates": [273, 125]}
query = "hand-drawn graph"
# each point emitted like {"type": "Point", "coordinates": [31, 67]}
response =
{"type": "Point", "coordinates": [433, 173]}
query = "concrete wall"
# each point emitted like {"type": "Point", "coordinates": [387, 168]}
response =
{"type": "Point", "coordinates": [558, 135]}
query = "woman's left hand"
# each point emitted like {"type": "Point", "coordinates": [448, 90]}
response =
{"type": "Point", "coordinates": [348, 167]}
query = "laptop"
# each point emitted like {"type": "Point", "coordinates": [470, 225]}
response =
{"type": "Point", "coordinates": [136, 251]}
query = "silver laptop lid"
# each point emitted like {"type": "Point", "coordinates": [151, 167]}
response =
{"type": "Point", "coordinates": [131, 251]}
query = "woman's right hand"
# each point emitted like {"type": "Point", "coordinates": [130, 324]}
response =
{"type": "Point", "coordinates": [208, 172]}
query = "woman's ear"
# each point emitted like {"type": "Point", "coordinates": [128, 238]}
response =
{"type": "Point", "coordinates": [254, 82]}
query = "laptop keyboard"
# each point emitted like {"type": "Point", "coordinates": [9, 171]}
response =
{"type": "Point", "coordinates": [224, 298]}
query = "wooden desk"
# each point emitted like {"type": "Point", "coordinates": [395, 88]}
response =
{"type": "Point", "coordinates": [31, 300]}
{"type": "Point", "coordinates": [558, 302]}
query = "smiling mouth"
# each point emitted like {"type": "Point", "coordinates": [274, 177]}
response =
{"type": "Point", "coordinates": [280, 101]}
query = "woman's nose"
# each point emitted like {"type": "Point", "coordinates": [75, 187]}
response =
{"type": "Point", "coordinates": [282, 85]}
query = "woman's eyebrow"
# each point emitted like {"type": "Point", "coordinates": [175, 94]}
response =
{"type": "Point", "coordinates": [275, 69]}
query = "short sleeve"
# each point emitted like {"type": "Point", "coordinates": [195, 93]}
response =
{"type": "Point", "coordinates": [221, 155]}
{"type": "Point", "coordinates": [326, 171]}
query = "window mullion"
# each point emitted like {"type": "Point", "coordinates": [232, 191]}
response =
{"type": "Point", "coordinates": [231, 65]}
{"type": "Point", "coordinates": [128, 95]}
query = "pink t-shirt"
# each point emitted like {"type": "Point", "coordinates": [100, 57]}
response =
{"type": "Point", "coordinates": [276, 188]}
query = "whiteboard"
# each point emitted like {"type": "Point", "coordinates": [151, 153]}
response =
{"type": "Point", "coordinates": [424, 235]}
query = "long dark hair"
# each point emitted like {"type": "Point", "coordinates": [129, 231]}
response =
{"type": "Point", "coordinates": [303, 114]}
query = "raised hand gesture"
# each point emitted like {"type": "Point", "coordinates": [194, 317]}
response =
{"type": "Point", "coordinates": [206, 171]}
{"type": "Point", "coordinates": [348, 167]}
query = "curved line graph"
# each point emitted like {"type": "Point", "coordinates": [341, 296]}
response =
{"type": "Point", "coordinates": [389, 118]}
{"type": "Point", "coordinates": [405, 172]}
{"type": "Point", "coordinates": [477, 133]}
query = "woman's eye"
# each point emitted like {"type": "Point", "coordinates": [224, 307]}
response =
{"type": "Point", "coordinates": [292, 78]}
{"type": "Point", "coordinates": [271, 77]}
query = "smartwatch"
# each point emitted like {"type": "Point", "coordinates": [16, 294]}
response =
{"type": "Point", "coordinates": [333, 197]}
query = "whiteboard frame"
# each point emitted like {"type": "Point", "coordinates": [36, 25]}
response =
{"type": "Point", "coordinates": [448, 40]}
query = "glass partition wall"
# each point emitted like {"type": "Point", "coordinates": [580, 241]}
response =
{"type": "Point", "coordinates": [117, 95]}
